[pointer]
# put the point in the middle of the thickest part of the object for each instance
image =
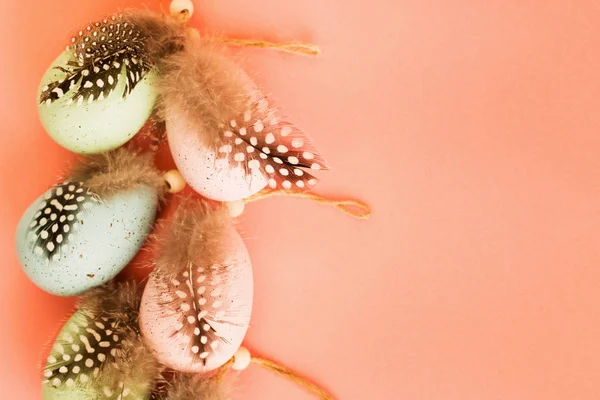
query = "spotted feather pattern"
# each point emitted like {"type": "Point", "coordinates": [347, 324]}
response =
{"type": "Point", "coordinates": [58, 216]}
{"type": "Point", "coordinates": [104, 53]}
{"type": "Point", "coordinates": [196, 294]}
{"type": "Point", "coordinates": [84, 349]}
{"type": "Point", "coordinates": [258, 139]}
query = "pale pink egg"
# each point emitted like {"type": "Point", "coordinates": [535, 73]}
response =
{"type": "Point", "coordinates": [196, 318]}
{"type": "Point", "coordinates": [230, 147]}
{"type": "Point", "coordinates": [206, 171]}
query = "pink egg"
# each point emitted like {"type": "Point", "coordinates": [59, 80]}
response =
{"type": "Point", "coordinates": [232, 145]}
{"type": "Point", "coordinates": [195, 318]}
{"type": "Point", "coordinates": [221, 179]}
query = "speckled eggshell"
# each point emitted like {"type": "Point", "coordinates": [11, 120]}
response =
{"type": "Point", "coordinates": [84, 386]}
{"type": "Point", "coordinates": [100, 126]}
{"type": "Point", "coordinates": [224, 301]}
{"type": "Point", "coordinates": [222, 179]}
{"type": "Point", "coordinates": [77, 393]}
{"type": "Point", "coordinates": [104, 238]}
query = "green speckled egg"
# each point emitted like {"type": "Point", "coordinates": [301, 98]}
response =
{"type": "Point", "coordinates": [82, 364]}
{"type": "Point", "coordinates": [94, 108]}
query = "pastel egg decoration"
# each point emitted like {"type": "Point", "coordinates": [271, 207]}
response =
{"type": "Point", "coordinates": [98, 353]}
{"type": "Point", "coordinates": [231, 146]}
{"type": "Point", "coordinates": [184, 386]}
{"type": "Point", "coordinates": [85, 230]}
{"type": "Point", "coordinates": [197, 304]}
{"type": "Point", "coordinates": [100, 91]}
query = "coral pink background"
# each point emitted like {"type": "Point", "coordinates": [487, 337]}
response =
{"type": "Point", "coordinates": [472, 129]}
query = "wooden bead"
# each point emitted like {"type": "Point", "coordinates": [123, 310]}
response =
{"type": "Point", "coordinates": [241, 359]}
{"type": "Point", "coordinates": [174, 180]}
{"type": "Point", "coordinates": [236, 208]}
{"type": "Point", "coordinates": [181, 9]}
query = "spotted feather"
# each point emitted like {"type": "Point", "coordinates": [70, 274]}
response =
{"type": "Point", "coordinates": [100, 350]}
{"type": "Point", "coordinates": [258, 139]}
{"type": "Point", "coordinates": [58, 216]}
{"type": "Point", "coordinates": [83, 350]}
{"type": "Point", "coordinates": [103, 53]}
{"type": "Point", "coordinates": [199, 301]}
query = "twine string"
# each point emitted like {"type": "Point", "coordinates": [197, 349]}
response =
{"type": "Point", "coordinates": [354, 208]}
{"type": "Point", "coordinates": [305, 49]}
{"type": "Point", "coordinates": [292, 376]}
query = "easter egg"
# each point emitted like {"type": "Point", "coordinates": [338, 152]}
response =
{"type": "Point", "coordinates": [248, 153]}
{"type": "Point", "coordinates": [100, 91]}
{"type": "Point", "coordinates": [70, 240]}
{"type": "Point", "coordinates": [94, 116]}
{"type": "Point", "coordinates": [195, 318]}
{"type": "Point", "coordinates": [214, 177]}
{"type": "Point", "coordinates": [226, 139]}
{"type": "Point", "coordinates": [98, 354]}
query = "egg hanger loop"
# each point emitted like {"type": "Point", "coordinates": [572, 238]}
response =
{"type": "Point", "coordinates": [291, 375]}
{"type": "Point", "coordinates": [183, 10]}
{"type": "Point", "coordinates": [299, 48]}
{"type": "Point", "coordinates": [353, 208]}
{"type": "Point", "coordinates": [242, 359]}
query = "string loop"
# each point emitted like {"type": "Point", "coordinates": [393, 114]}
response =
{"type": "Point", "coordinates": [291, 375]}
{"type": "Point", "coordinates": [305, 49]}
{"type": "Point", "coordinates": [354, 208]}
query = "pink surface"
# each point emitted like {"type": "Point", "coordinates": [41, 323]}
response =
{"type": "Point", "coordinates": [472, 129]}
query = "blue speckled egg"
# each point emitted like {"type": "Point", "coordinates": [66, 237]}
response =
{"type": "Point", "coordinates": [70, 240]}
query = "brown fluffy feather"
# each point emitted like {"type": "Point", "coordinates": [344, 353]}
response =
{"type": "Point", "coordinates": [203, 85]}
{"type": "Point", "coordinates": [163, 34]}
{"type": "Point", "coordinates": [120, 302]}
{"type": "Point", "coordinates": [121, 169]}
{"type": "Point", "coordinates": [198, 387]}
{"type": "Point", "coordinates": [196, 233]}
